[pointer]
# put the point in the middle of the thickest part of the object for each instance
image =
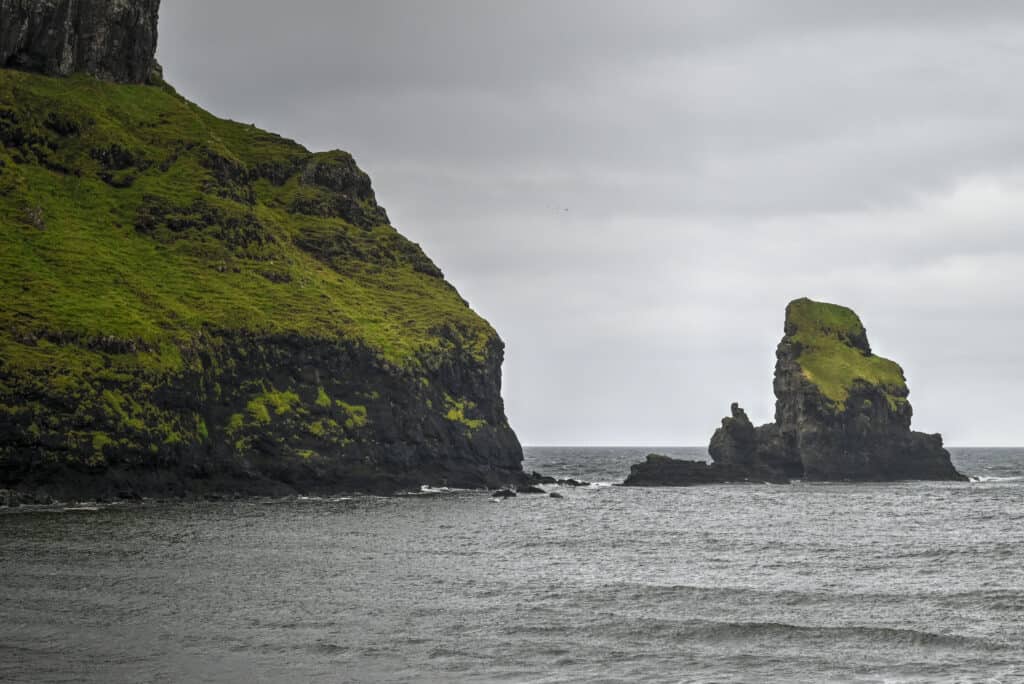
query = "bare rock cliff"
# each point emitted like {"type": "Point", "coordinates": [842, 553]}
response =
{"type": "Point", "coordinates": [114, 40]}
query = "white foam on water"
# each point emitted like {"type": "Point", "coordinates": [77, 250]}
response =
{"type": "Point", "coordinates": [427, 489]}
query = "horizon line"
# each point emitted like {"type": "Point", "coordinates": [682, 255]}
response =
{"type": "Point", "coordinates": [698, 446]}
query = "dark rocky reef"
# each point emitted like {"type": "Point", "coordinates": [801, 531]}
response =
{"type": "Point", "coordinates": [841, 414]}
{"type": "Point", "coordinates": [114, 40]}
{"type": "Point", "coordinates": [662, 471]}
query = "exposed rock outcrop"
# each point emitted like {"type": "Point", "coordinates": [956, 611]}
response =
{"type": "Point", "coordinates": [761, 452]}
{"type": "Point", "coordinates": [662, 471]}
{"type": "Point", "coordinates": [114, 40]}
{"type": "Point", "coordinates": [841, 413]}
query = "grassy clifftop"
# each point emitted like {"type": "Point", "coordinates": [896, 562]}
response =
{"type": "Point", "coordinates": [834, 352]}
{"type": "Point", "coordinates": [195, 296]}
{"type": "Point", "coordinates": [131, 215]}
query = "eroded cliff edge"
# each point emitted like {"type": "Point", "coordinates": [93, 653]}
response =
{"type": "Point", "coordinates": [193, 305]}
{"type": "Point", "coordinates": [841, 413]}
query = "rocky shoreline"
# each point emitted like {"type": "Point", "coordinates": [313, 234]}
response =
{"type": "Point", "coordinates": [521, 484]}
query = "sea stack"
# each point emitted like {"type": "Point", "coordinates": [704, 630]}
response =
{"type": "Point", "coordinates": [190, 305]}
{"type": "Point", "coordinates": [841, 414]}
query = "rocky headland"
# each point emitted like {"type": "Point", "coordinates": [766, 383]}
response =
{"type": "Point", "coordinates": [841, 414]}
{"type": "Point", "coordinates": [190, 305]}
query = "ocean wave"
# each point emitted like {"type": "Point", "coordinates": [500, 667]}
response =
{"type": "Point", "coordinates": [723, 631]}
{"type": "Point", "coordinates": [996, 478]}
{"type": "Point", "coordinates": [427, 489]}
{"type": "Point", "coordinates": [994, 598]}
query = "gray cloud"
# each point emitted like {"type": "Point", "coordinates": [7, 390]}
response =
{"type": "Point", "coordinates": [717, 159]}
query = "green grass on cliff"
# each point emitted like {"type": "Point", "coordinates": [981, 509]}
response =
{"type": "Point", "coordinates": [828, 335]}
{"type": "Point", "coordinates": [132, 219]}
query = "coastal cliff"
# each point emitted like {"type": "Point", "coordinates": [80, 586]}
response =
{"type": "Point", "coordinates": [841, 413]}
{"type": "Point", "coordinates": [193, 305]}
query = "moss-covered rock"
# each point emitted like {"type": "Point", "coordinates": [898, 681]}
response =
{"type": "Point", "coordinates": [841, 413]}
{"type": "Point", "coordinates": [192, 304]}
{"type": "Point", "coordinates": [842, 410]}
{"type": "Point", "coordinates": [832, 350]}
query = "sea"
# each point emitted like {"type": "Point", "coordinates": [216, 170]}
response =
{"type": "Point", "coordinates": [811, 582]}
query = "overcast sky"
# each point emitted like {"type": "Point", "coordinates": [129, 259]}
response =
{"type": "Point", "coordinates": [631, 192]}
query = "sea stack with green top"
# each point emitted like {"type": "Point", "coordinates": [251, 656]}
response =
{"type": "Point", "coordinates": [842, 410]}
{"type": "Point", "coordinates": [193, 305]}
{"type": "Point", "coordinates": [841, 413]}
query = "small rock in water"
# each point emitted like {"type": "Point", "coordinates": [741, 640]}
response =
{"type": "Point", "coordinates": [573, 483]}
{"type": "Point", "coordinates": [556, 495]}
{"type": "Point", "coordinates": [503, 494]}
{"type": "Point", "coordinates": [530, 489]}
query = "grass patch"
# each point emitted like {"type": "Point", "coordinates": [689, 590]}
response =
{"type": "Point", "coordinates": [322, 399]}
{"type": "Point", "coordinates": [457, 410]}
{"type": "Point", "coordinates": [131, 219]}
{"type": "Point", "coordinates": [834, 353]}
{"type": "Point", "coordinates": [357, 416]}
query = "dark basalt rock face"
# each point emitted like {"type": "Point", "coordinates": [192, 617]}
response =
{"type": "Point", "coordinates": [394, 441]}
{"type": "Point", "coordinates": [735, 443]}
{"type": "Point", "coordinates": [865, 437]}
{"type": "Point", "coordinates": [841, 414]}
{"type": "Point", "coordinates": [114, 40]}
{"type": "Point", "coordinates": [761, 452]}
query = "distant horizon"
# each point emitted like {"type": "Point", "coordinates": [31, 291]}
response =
{"type": "Point", "coordinates": [697, 446]}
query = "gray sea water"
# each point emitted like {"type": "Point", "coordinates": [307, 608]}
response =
{"type": "Point", "coordinates": [906, 582]}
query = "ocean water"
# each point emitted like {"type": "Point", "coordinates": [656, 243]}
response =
{"type": "Point", "coordinates": [905, 582]}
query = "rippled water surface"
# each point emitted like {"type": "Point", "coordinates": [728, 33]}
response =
{"type": "Point", "coordinates": [808, 582]}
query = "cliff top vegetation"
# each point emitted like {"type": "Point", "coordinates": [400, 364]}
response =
{"type": "Point", "coordinates": [134, 221]}
{"type": "Point", "coordinates": [835, 354]}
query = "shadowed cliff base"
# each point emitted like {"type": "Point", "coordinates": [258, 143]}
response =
{"type": "Point", "coordinates": [841, 414]}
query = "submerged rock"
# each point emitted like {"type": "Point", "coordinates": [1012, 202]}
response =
{"type": "Point", "coordinates": [503, 494]}
{"type": "Point", "coordinates": [530, 489]}
{"type": "Point", "coordinates": [841, 413]}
